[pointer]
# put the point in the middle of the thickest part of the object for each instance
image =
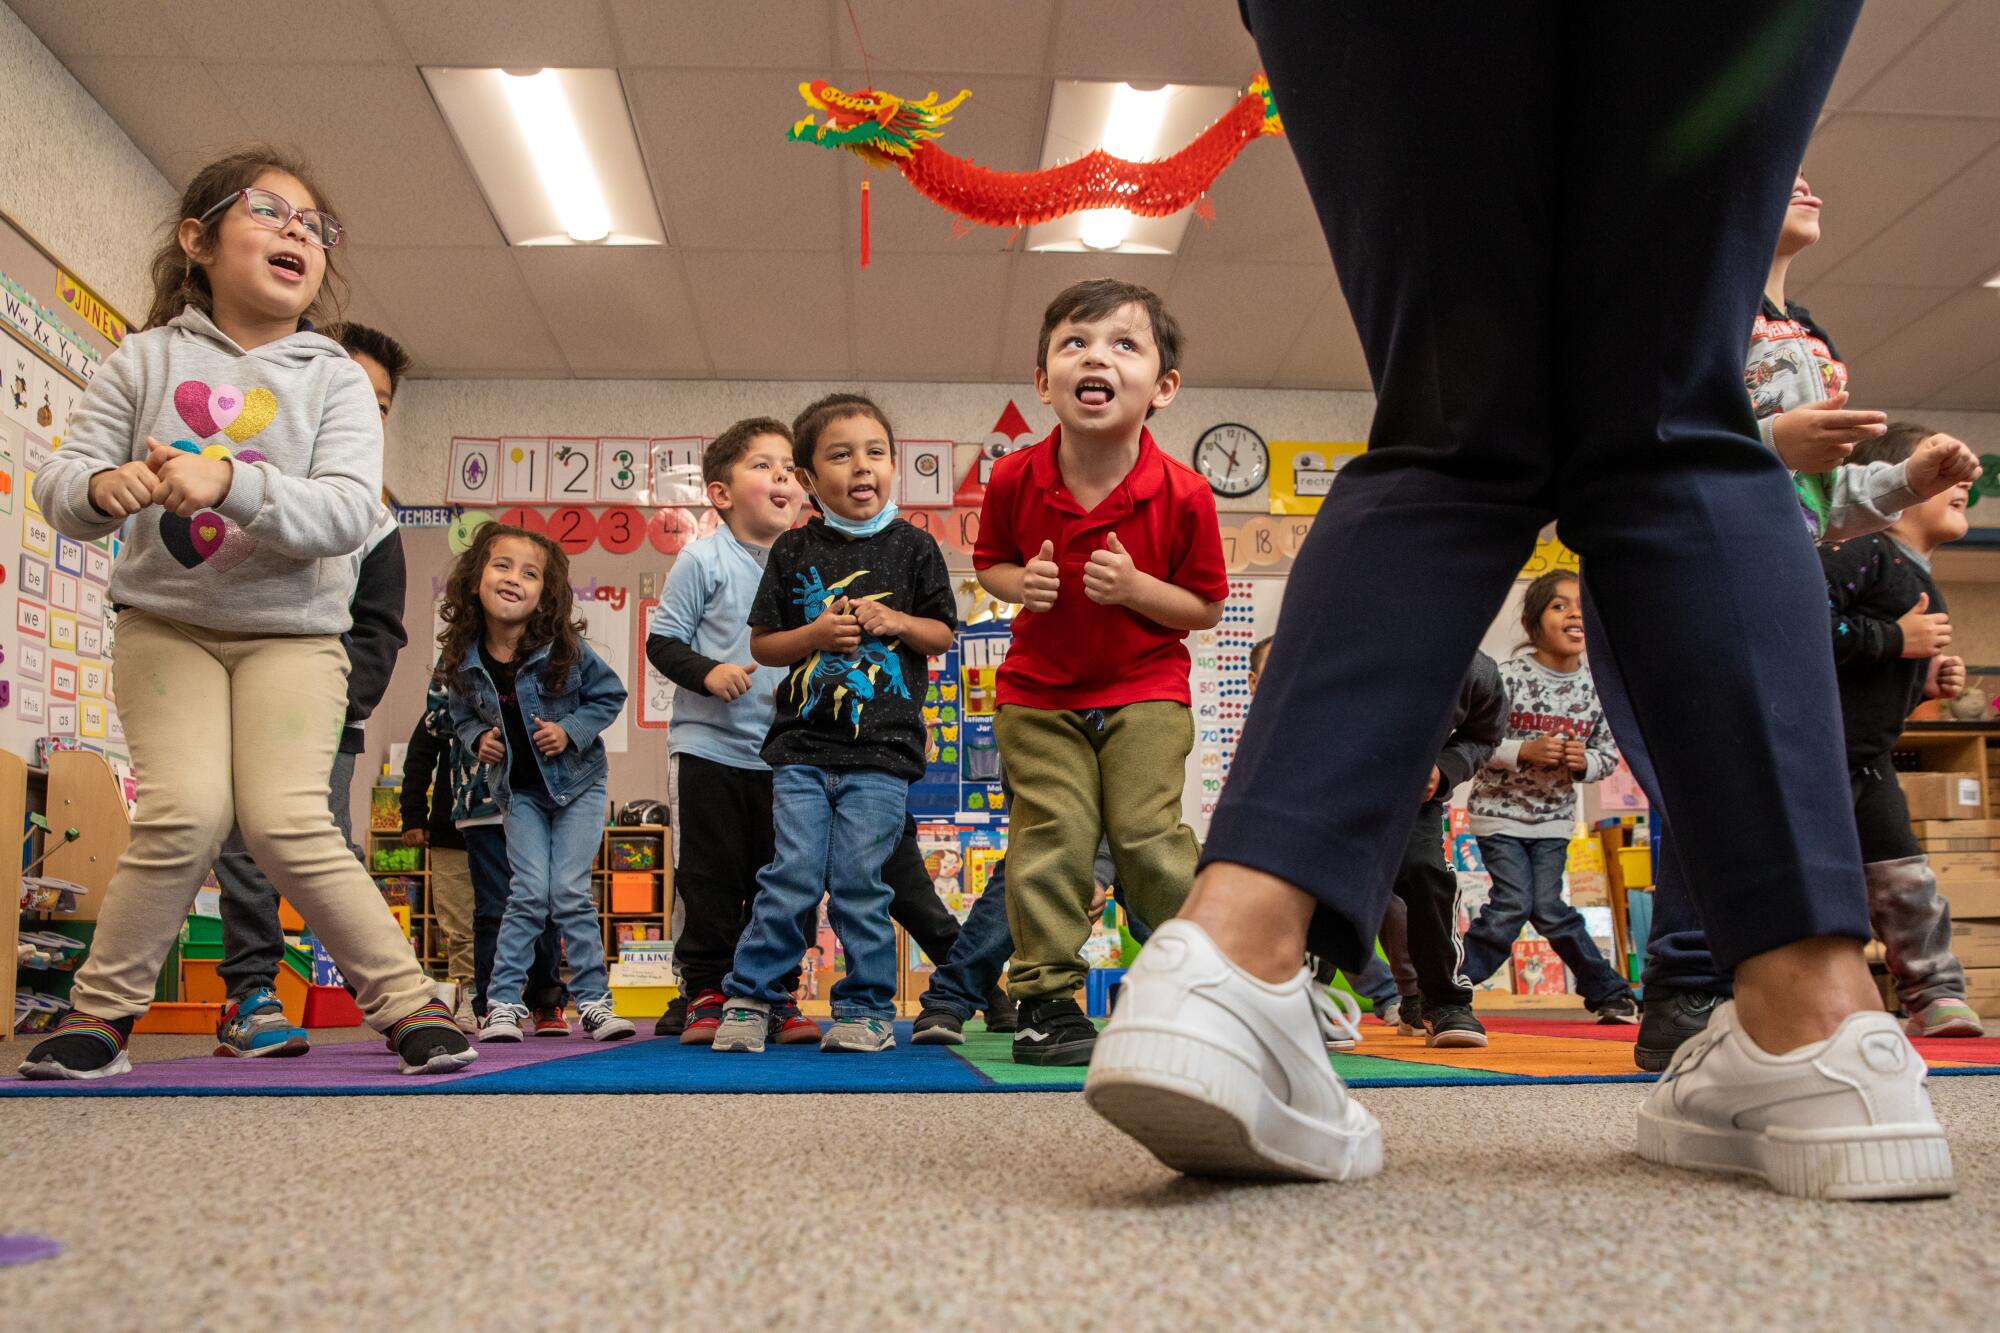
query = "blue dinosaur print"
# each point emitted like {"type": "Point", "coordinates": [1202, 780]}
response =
{"type": "Point", "coordinates": [851, 680]}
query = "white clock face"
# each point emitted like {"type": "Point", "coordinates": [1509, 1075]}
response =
{"type": "Point", "coordinates": [1233, 459]}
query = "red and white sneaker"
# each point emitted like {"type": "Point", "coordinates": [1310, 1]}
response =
{"type": "Point", "coordinates": [789, 1027]}
{"type": "Point", "coordinates": [550, 1022]}
{"type": "Point", "coordinates": [704, 1017]}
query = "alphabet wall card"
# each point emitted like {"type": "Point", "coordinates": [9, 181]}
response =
{"type": "Point", "coordinates": [31, 702]}
{"type": "Point", "coordinates": [475, 471]}
{"type": "Point", "coordinates": [62, 591]}
{"type": "Point", "coordinates": [925, 466]}
{"type": "Point", "coordinates": [91, 712]}
{"type": "Point", "coordinates": [31, 617]}
{"type": "Point", "coordinates": [62, 719]}
{"type": "Point", "coordinates": [36, 535]}
{"type": "Point", "coordinates": [573, 477]}
{"type": "Point", "coordinates": [624, 471]}
{"type": "Point", "coordinates": [90, 638]}
{"type": "Point", "coordinates": [62, 680]}
{"type": "Point", "coordinates": [91, 678]}
{"type": "Point", "coordinates": [524, 469]}
{"type": "Point", "coordinates": [677, 471]}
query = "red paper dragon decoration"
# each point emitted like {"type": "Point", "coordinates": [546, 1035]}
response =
{"type": "Point", "coordinates": [884, 130]}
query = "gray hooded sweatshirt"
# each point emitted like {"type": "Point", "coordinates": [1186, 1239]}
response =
{"type": "Point", "coordinates": [298, 421]}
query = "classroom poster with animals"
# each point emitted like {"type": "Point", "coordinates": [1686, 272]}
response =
{"type": "Point", "coordinates": [56, 686]}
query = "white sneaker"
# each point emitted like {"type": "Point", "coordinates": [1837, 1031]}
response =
{"type": "Point", "coordinates": [461, 1012]}
{"type": "Point", "coordinates": [1845, 1118]}
{"type": "Point", "coordinates": [1218, 1073]}
{"type": "Point", "coordinates": [503, 1022]}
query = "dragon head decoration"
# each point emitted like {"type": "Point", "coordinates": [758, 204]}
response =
{"type": "Point", "coordinates": [877, 127]}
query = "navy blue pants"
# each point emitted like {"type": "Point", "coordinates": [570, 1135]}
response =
{"type": "Point", "coordinates": [1552, 223]}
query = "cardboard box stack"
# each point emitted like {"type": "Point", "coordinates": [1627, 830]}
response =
{"type": "Point", "coordinates": [1965, 856]}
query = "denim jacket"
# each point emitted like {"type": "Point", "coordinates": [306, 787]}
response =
{"type": "Point", "coordinates": [589, 702]}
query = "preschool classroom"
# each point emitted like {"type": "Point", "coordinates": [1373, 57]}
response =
{"type": "Point", "coordinates": [571, 245]}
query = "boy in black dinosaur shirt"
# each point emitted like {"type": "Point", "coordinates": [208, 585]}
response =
{"type": "Point", "coordinates": [1890, 631]}
{"type": "Point", "coordinates": [853, 604]}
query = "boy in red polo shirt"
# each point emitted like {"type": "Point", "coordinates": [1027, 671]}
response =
{"type": "Point", "coordinates": [1112, 550]}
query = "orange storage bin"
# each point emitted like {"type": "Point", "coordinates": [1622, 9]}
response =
{"type": "Point", "coordinates": [634, 891]}
{"type": "Point", "coordinates": [289, 920]}
{"type": "Point", "coordinates": [169, 1017]}
{"type": "Point", "coordinates": [200, 984]}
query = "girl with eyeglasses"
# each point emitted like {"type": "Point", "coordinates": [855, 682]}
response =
{"type": "Point", "coordinates": [241, 454]}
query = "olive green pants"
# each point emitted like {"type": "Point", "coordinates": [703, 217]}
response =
{"type": "Point", "coordinates": [1073, 773]}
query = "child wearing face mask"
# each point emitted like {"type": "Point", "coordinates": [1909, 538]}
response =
{"type": "Point", "coordinates": [241, 454]}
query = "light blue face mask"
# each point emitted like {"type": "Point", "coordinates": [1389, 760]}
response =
{"type": "Point", "coordinates": [861, 527]}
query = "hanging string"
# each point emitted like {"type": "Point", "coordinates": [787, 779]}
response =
{"type": "Point", "coordinates": [867, 61]}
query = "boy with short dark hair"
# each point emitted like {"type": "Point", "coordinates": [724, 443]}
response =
{"type": "Point", "coordinates": [1113, 551]}
{"type": "Point", "coordinates": [854, 604]}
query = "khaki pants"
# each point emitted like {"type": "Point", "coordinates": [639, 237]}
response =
{"type": "Point", "coordinates": [451, 903]}
{"type": "Point", "coordinates": [236, 728]}
{"type": "Point", "coordinates": [1072, 773]}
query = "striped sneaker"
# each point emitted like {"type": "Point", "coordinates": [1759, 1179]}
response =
{"type": "Point", "coordinates": [256, 1026]}
{"type": "Point", "coordinates": [429, 1042]}
{"type": "Point", "coordinates": [863, 1036]}
{"type": "Point", "coordinates": [81, 1047]}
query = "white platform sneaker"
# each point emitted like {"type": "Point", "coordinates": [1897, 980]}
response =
{"type": "Point", "coordinates": [1219, 1074]}
{"type": "Point", "coordinates": [1845, 1118]}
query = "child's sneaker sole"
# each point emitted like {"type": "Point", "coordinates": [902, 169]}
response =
{"type": "Point", "coordinates": [1189, 1103]}
{"type": "Point", "coordinates": [617, 1029]}
{"type": "Point", "coordinates": [1887, 1163]}
{"type": "Point", "coordinates": [1455, 1039]}
{"type": "Point", "coordinates": [291, 1046]}
{"type": "Point", "coordinates": [441, 1064]}
{"type": "Point", "coordinates": [56, 1070]}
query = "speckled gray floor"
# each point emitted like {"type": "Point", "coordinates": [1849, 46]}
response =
{"type": "Point", "coordinates": [1501, 1208]}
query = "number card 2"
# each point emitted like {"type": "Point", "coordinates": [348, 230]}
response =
{"type": "Point", "coordinates": [573, 477]}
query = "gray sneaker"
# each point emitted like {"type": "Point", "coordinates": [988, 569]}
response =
{"type": "Point", "coordinates": [864, 1035]}
{"type": "Point", "coordinates": [743, 1026]}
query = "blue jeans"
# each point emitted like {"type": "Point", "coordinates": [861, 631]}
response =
{"type": "Point", "coordinates": [835, 829]}
{"type": "Point", "coordinates": [492, 886]}
{"type": "Point", "coordinates": [552, 849]}
{"type": "Point", "coordinates": [1527, 886]}
{"type": "Point", "coordinates": [966, 977]}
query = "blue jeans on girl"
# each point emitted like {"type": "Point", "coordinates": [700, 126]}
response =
{"type": "Point", "coordinates": [835, 829]}
{"type": "Point", "coordinates": [1527, 887]}
{"type": "Point", "coordinates": [552, 849]}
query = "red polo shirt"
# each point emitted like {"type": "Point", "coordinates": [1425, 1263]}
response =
{"type": "Point", "coordinates": [1079, 654]}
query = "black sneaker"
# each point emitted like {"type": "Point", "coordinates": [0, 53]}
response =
{"type": "Point", "coordinates": [81, 1047]}
{"type": "Point", "coordinates": [673, 1022]}
{"type": "Point", "coordinates": [1054, 1032]}
{"type": "Point", "coordinates": [938, 1027]}
{"type": "Point", "coordinates": [1002, 1014]}
{"type": "Point", "coordinates": [429, 1042]}
{"type": "Point", "coordinates": [1671, 1017]}
{"type": "Point", "coordinates": [1410, 1016]}
{"type": "Point", "coordinates": [1623, 1009]}
{"type": "Point", "coordinates": [1449, 1026]}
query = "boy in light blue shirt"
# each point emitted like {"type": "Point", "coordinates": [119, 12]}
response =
{"type": "Point", "coordinates": [718, 783]}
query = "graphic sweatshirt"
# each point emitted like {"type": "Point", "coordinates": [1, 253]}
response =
{"type": "Point", "coordinates": [1870, 585]}
{"type": "Point", "coordinates": [298, 422]}
{"type": "Point", "coordinates": [1537, 800]}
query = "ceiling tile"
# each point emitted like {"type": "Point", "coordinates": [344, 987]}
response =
{"type": "Point", "coordinates": [1977, 392]}
{"type": "Point", "coordinates": [1262, 212]}
{"type": "Point", "coordinates": [766, 315]}
{"type": "Point", "coordinates": [520, 33]}
{"type": "Point", "coordinates": [1870, 170]}
{"type": "Point", "coordinates": [1327, 352]}
{"type": "Point", "coordinates": [1037, 278]}
{"type": "Point", "coordinates": [1947, 240]}
{"type": "Point", "coordinates": [323, 32]}
{"type": "Point", "coordinates": [1948, 70]}
{"type": "Point", "coordinates": [1241, 319]}
{"type": "Point", "coordinates": [1862, 318]}
{"type": "Point", "coordinates": [462, 311]}
{"type": "Point", "coordinates": [928, 317]}
{"type": "Point", "coordinates": [1184, 44]}
{"type": "Point", "coordinates": [770, 34]}
{"type": "Point", "coordinates": [171, 109]}
{"type": "Point", "coordinates": [985, 39]}
{"type": "Point", "coordinates": [387, 158]}
{"type": "Point", "coordinates": [727, 177]}
{"type": "Point", "coordinates": [1884, 33]}
{"type": "Point", "coordinates": [363, 308]}
{"type": "Point", "coordinates": [106, 28]}
{"type": "Point", "coordinates": [616, 311]}
{"type": "Point", "coordinates": [1932, 354]}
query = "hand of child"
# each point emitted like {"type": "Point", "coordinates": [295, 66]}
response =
{"type": "Point", "coordinates": [1108, 578]}
{"type": "Point", "coordinates": [1926, 633]}
{"type": "Point", "coordinates": [1437, 779]}
{"type": "Point", "coordinates": [1543, 752]}
{"type": "Point", "coordinates": [728, 682]}
{"type": "Point", "coordinates": [549, 738]}
{"type": "Point", "coordinates": [1819, 436]}
{"type": "Point", "coordinates": [492, 748]}
{"type": "Point", "coordinates": [1041, 580]}
{"type": "Point", "coordinates": [1940, 463]}
{"type": "Point", "coordinates": [189, 483]}
{"type": "Point", "coordinates": [124, 490]}
{"type": "Point", "coordinates": [836, 630]}
{"type": "Point", "coordinates": [877, 619]}
{"type": "Point", "coordinates": [1948, 677]}
{"type": "Point", "coordinates": [1576, 757]}
{"type": "Point", "coordinates": [416, 837]}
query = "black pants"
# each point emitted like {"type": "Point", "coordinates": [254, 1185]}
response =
{"type": "Point", "coordinates": [1552, 224]}
{"type": "Point", "coordinates": [1429, 891]}
{"type": "Point", "coordinates": [492, 886]}
{"type": "Point", "coordinates": [724, 837]}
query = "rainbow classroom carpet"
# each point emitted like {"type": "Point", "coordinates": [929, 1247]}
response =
{"type": "Point", "coordinates": [1524, 1051]}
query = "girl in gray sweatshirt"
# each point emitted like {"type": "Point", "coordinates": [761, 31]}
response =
{"type": "Point", "coordinates": [240, 453]}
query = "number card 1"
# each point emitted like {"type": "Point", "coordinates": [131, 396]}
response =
{"type": "Point", "coordinates": [624, 471]}
{"type": "Point", "coordinates": [573, 477]}
{"type": "Point", "coordinates": [475, 472]}
{"type": "Point", "coordinates": [677, 470]}
{"type": "Point", "coordinates": [524, 470]}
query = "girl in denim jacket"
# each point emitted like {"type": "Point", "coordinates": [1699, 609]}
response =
{"type": "Point", "coordinates": [528, 699]}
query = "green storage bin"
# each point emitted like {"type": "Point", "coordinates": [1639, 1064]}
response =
{"type": "Point", "coordinates": [202, 930]}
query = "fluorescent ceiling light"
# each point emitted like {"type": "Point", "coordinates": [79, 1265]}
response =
{"type": "Point", "coordinates": [1138, 124]}
{"type": "Point", "coordinates": [554, 151]}
{"type": "Point", "coordinates": [1994, 281]}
